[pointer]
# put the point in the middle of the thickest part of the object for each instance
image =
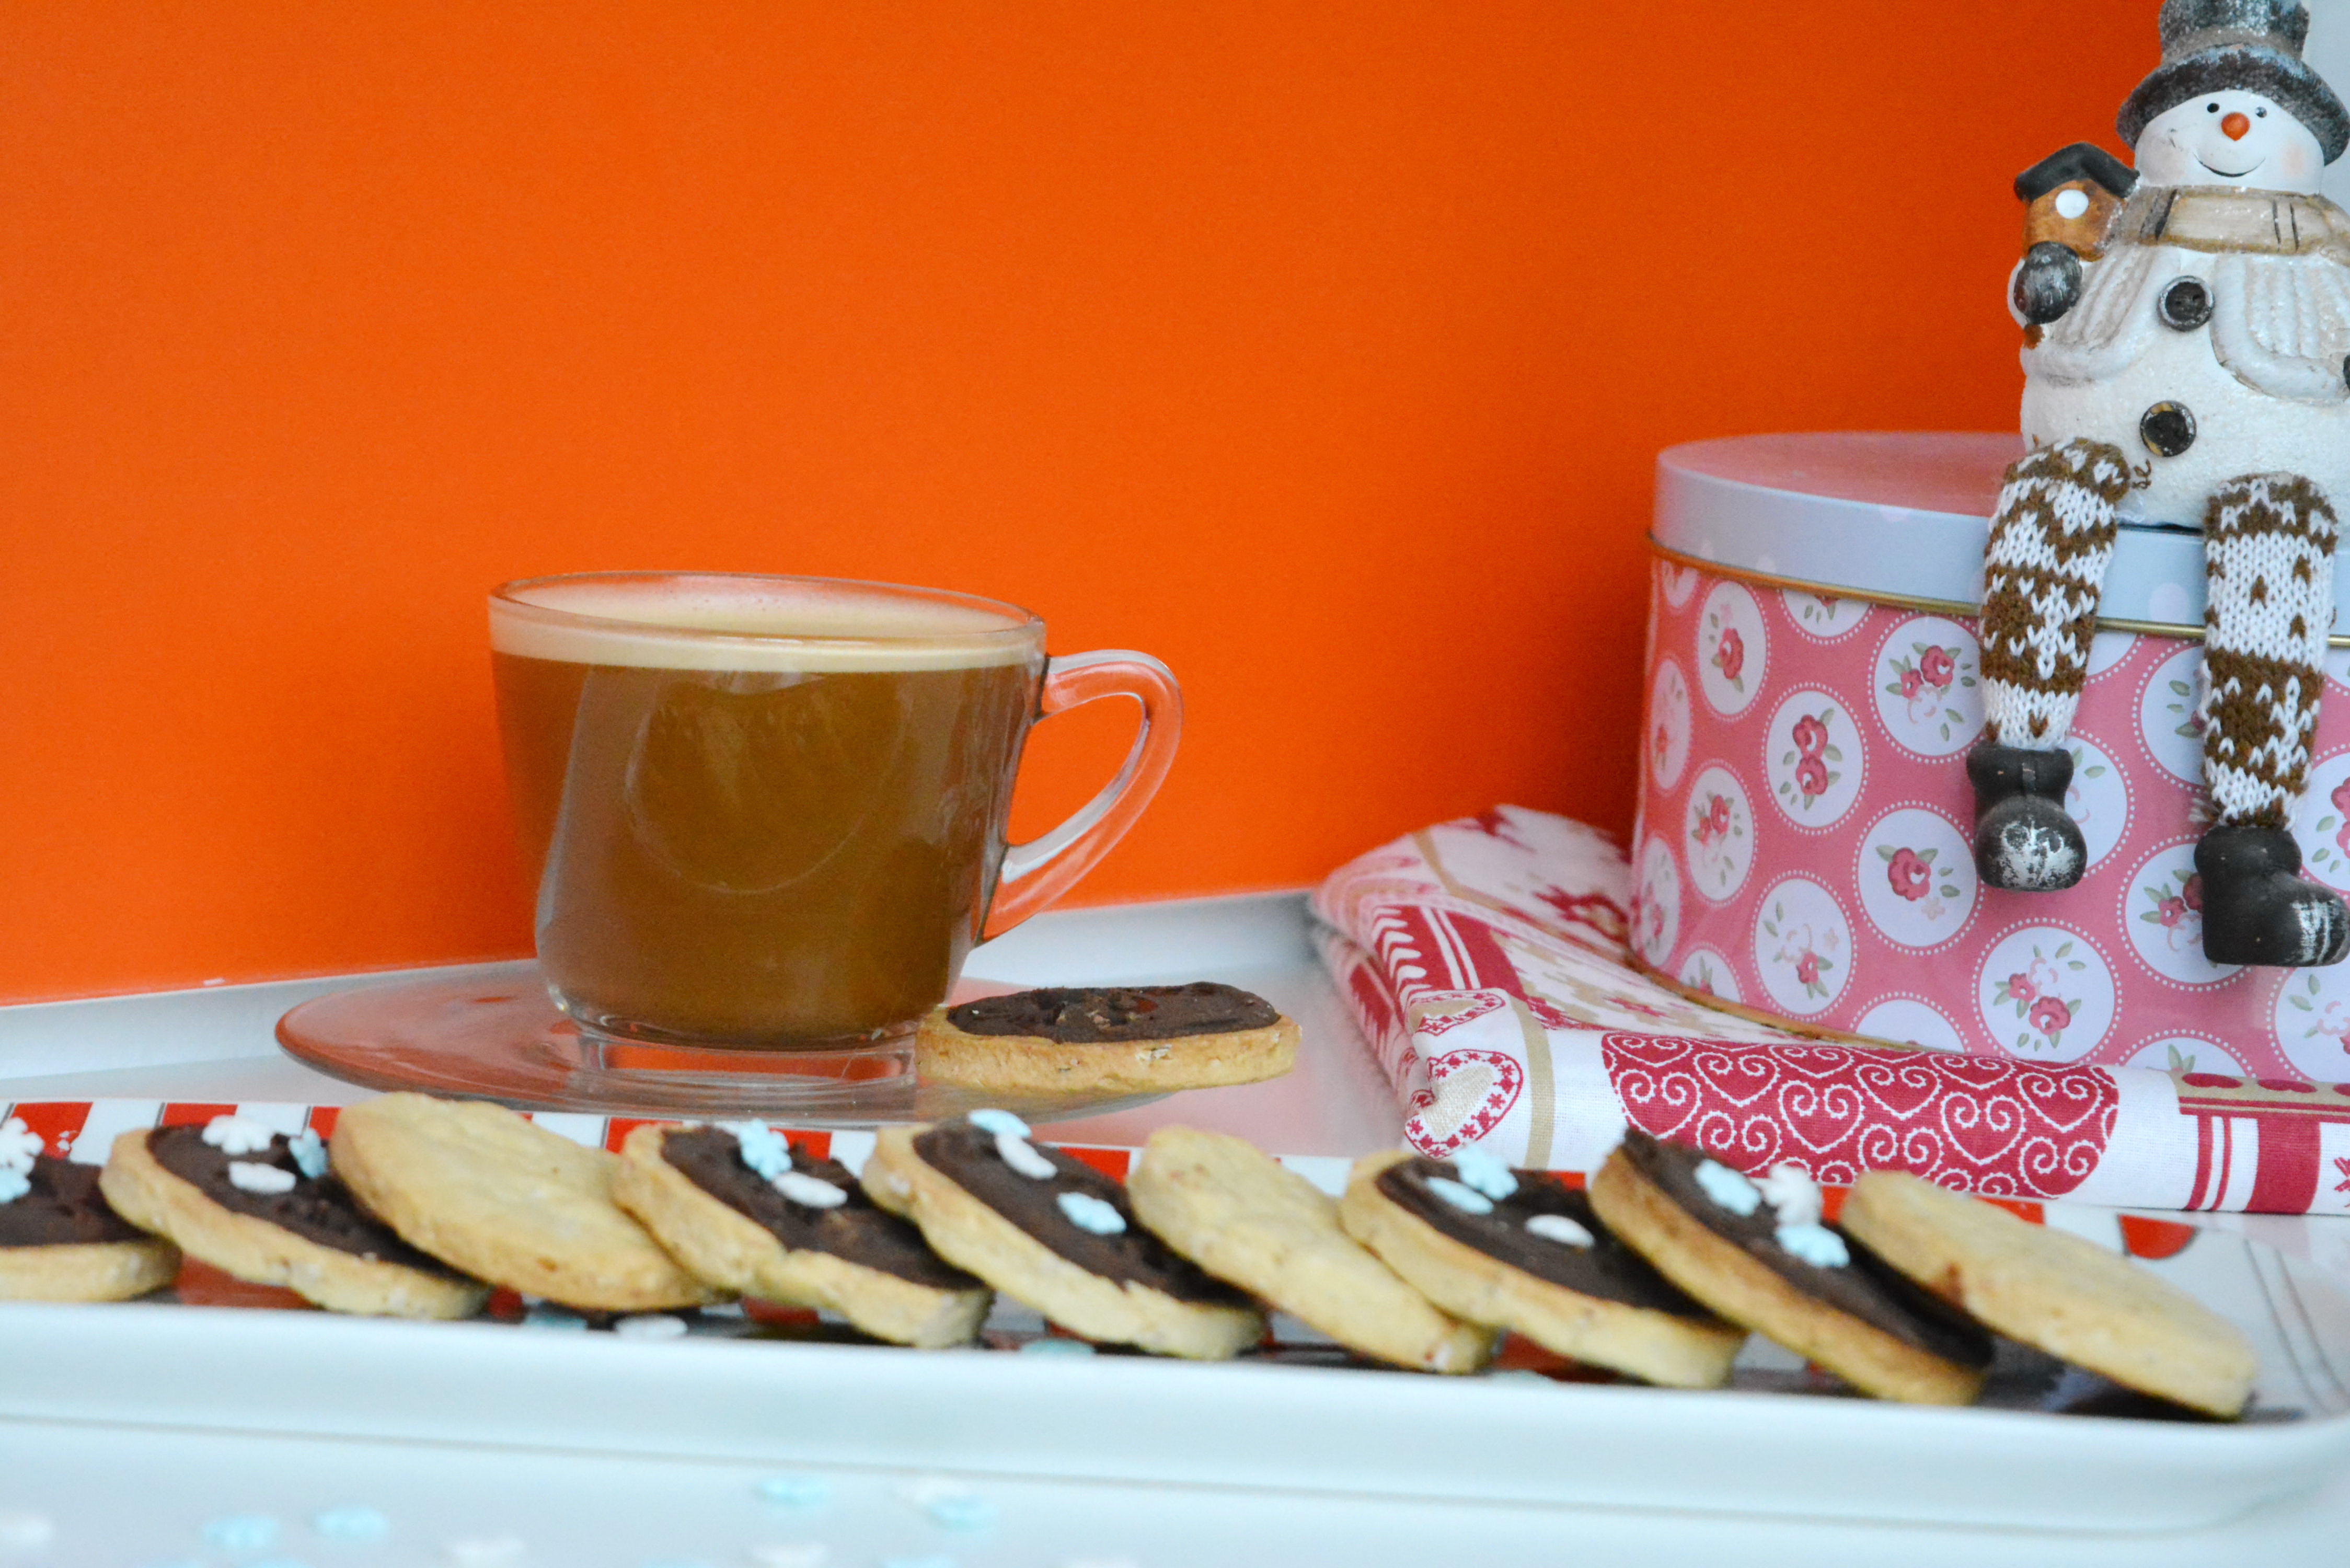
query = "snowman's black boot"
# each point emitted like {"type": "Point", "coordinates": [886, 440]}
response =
{"type": "Point", "coordinates": [2025, 840]}
{"type": "Point", "coordinates": [2256, 907]}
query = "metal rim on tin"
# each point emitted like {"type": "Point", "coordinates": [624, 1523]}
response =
{"type": "Point", "coordinates": [1958, 608]}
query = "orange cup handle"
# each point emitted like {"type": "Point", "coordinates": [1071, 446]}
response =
{"type": "Point", "coordinates": [1036, 873]}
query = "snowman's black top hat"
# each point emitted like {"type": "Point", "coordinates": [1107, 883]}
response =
{"type": "Point", "coordinates": [2254, 45]}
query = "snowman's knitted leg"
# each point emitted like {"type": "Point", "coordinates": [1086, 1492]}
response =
{"type": "Point", "coordinates": [2050, 540]}
{"type": "Point", "coordinates": [2268, 545]}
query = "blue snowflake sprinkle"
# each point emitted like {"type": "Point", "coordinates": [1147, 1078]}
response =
{"type": "Point", "coordinates": [797, 1491]}
{"type": "Point", "coordinates": [949, 1502]}
{"type": "Point", "coordinates": [241, 1533]}
{"type": "Point", "coordinates": [352, 1524]}
{"type": "Point", "coordinates": [964, 1512]}
{"type": "Point", "coordinates": [553, 1317]}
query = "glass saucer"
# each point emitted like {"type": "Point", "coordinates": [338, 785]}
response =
{"type": "Point", "coordinates": [495, 1035]}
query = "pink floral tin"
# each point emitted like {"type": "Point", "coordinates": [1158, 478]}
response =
{"type": "Point", "coordinates": [1804, 843]}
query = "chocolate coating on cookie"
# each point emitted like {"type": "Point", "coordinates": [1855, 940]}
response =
{"type": "Point", "coordinates": [321, 1210]}
{"type": "Point", "coordinates": [1101, 1015]}
{"type": "Point", "coordinates": [63, 1209]}
{"type": "Point", "coordinates": [966, 1156]}
{"type": "Point", "coordinates": [856, 1231]}
{"type": "Point", "coordinates": [1607, 1269]}
{"type": "Point", "coordinates": [1867, 1289]}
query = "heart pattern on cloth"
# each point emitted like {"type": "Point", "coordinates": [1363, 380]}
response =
{"type": "Point", "coordinates": [1468, 1093]}
{"type": "Point", "coordinates": [1440, 1011]}
{"type": "Point", "coordinates": [1979, 1123]}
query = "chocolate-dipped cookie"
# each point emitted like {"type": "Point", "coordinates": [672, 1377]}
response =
{"type": "Point", "coordinates": [744, 1210]}
{"type": "Point", "coordinates": [2055, 1293]}
{"type": "Point", "coordinates": [1757, 1254]}
{"type": "Point", "coordinates": [1520, 1250]}
{"type": "Point", "coordinates": [1099, 1040]}
{"type": "Point", "coordinates": [1055, 1233]}
{"type": "Point", "coordinates": [265, 1208]}
{"type": "Point", "coordinates": [58, 1240]}
{"type": "Point", "coordinates": [1244, 1217]}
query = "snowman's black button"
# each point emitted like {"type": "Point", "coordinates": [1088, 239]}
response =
{"type": "Point", "coordinates": [2167, 429]}
{"type": "Point", "coordinates": [2184, 305]}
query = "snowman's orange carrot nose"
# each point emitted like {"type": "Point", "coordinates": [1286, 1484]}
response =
{"type": "Point", "coordinates": [2237, 126]}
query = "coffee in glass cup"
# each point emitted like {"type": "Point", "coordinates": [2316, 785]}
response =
{"type": "Point", "coordinates": [770, 814]}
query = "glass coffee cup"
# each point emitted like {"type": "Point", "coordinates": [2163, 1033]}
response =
{"type": "Point", "coordinates": [769, 814]}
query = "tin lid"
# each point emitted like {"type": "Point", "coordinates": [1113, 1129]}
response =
{"type": "Point", "coordinates": [1898, 516]}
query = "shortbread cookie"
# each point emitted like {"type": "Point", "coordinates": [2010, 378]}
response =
{"type": "Point", "coordinates": [486, 1191]}
{"type": "Point", "coordinates": [1108, 1039]}
{"type": "Point", "coordinates": [2054, 1292]}
{"type": "Point", "coordinates": [264, 1208]}
{"type": "Point", "coordinates": [58, 1240]}
{"type": "Point", "coordinates": [1521, 1250]}
{"type": "Point", "coordinates": [1757, 1254]}
{"type": "Point", "coordinates": [1244, 1217]}
{"type": "Point", "coordinates": [797, 1229]}
{"type": "Point", "coordinates": [1055, 1233]}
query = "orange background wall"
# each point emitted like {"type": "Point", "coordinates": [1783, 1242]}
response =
{"type": "Point", "coordinates": [1322, 349]}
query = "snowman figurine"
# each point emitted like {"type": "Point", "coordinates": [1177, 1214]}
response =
{"type": "Point", "coordinates": [2187, 363]}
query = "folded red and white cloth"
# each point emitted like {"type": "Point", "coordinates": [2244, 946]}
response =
{"type": "Point", "coordinates": [1485, 960]}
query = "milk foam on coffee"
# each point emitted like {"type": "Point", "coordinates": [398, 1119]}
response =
{"type": "Point", "coordinates": [755, 624]}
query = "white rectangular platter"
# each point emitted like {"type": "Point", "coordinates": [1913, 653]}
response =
{"type": "Point", "coordinates": [1778, 1443]}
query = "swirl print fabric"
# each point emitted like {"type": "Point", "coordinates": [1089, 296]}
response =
{"type": "Point", "coordinates": [1490, 963]}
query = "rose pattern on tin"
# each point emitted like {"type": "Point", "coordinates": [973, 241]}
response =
{"type": "Point", "coordinates": [2313, 1021]}
{"type": "Point", "coordinates": [2171, 715]}
{"type": "Point", "coordinates": [2097, 800]}
{"type": "Point", "coordinates": [1926, 690]}
{"type": "Point", "coordinates": [2185, 1054]}
{"type": "Point", "coordinates": [1823, 618]}
{"type": "Point", "coordinates": [2037, 993]}
{"type": "Point", "coordinates": [1801, 943]}
{"type": "Point", "coordinates": [1707, 972]}
{"type": "Point", "coordinates": [2322, 823]}
{"type": "Point", "coordinates": [2165, 923]}
{"type": "Point", "coordinates": [1816, 759]}
{"type": "Point", "coordinates": [1733, 649]}
{"type": "Point", "coordinates": [1720, 834]}
{"type": "Point", "coordinates": [1668, 725]}
{"type": "Point", "coordinates": [1852, 719]}
{"type": "Point", "coordinates": [1924, 889]}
